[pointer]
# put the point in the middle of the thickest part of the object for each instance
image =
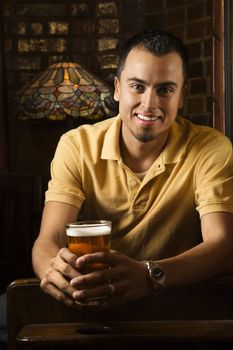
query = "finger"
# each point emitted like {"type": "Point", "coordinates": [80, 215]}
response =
{"type": "Point", "coordinates": [92, 279]}
{"type": "Point", "coordinates": [67, 256]}
{"type": "Point", "coordinates": [57, 279]}
{"type": "Point", "coordinates": [56, 293]}
{"type": "Point", "coordinates": [109, 259]}
{"type": "Point", "coordinates": [64, 268]}
{"type": "Point", "coordinates": [111, 288]}
{"type": "Point", "coordinates": [104, 291]}
{"type": "Point", "coordinates": [118, 294]}
{"type": "Point", "coordinates": [115, 252]}
{"type": "Point", "coordinates": [115, 297]}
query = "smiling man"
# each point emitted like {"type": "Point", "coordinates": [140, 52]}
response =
{"type": "Point", "coordinates": [150, 89]}
{"type": "Point", "coordinates": [166, 185]}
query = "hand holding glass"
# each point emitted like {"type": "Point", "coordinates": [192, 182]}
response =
{"type": "Point", "coordinates": [86, 237]}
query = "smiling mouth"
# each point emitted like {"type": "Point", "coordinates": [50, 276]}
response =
{"type": "Point", "coordinates": [148, 119]}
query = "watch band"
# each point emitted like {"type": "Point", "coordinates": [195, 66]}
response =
{"type": "Point", "coordinates": [156, 275]}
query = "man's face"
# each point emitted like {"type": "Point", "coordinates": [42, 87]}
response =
{"type": "Point", "coordinates": [150, 91]}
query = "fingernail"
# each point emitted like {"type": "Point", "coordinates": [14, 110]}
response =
{"type": "Point", "coordinates": [69, 302]}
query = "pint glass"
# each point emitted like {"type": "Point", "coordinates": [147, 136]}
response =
{"type": "Point", "coordinates": [85, 237]}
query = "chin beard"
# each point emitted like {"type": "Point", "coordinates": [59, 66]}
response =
{"type": "Point", "coordinates": [144, 138]}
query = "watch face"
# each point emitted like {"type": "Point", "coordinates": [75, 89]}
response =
{"type": "Point", "coordinates": [157, 273]}
{"type": "Point", "coordinates": [157, 276]}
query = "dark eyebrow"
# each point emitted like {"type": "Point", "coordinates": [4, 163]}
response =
{"type": "Point", "coordinates": [137, 79]}
{"type": "Point", "coordinates": [167, 83]}
{"type": "Point", "coordinates": [164, 84]}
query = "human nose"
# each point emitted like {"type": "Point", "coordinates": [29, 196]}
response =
{"type": "Point", "coordinates": [150, 99]}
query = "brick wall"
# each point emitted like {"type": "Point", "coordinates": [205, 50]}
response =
{"type": "Point", "coordinates": [38, 33]}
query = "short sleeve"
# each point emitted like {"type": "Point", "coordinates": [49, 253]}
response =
{"type": "Point", "coordinates": [66, 181]}
{"type": "Point", "coordinates": [214, 178]}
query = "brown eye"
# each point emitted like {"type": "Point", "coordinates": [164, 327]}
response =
{"type": "Point", "coordinates": [137, 87]}
{"type": "Point", "coordinates": [164, 90]}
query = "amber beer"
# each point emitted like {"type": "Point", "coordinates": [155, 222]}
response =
{"type": "Point", "coordinates": [85, 237]}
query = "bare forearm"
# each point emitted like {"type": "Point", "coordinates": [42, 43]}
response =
{"type": "Point", "coordinates": [52, 236]}
{"type": "Point", "coordinates": [42, 253]}
{"type": "Point", "coordinates": [207, 260]}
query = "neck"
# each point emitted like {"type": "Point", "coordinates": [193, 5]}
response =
{"type": "Point", "coordinates": [139, 156]}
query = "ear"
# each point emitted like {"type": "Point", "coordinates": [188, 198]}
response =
{"type": "Point", "coordinates": [116, 89]}
{"type": "Point", "coordinates": [183, 95]}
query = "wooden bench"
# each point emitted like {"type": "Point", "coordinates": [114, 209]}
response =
{"type": "Point", "coordinates": [195, 317]}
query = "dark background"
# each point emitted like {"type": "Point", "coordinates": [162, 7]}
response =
{"type": "Point", "coordinates": [36, 34]}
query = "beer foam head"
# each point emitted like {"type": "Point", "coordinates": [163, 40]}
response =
{"type": "Point", "coordinates": [88, 230]}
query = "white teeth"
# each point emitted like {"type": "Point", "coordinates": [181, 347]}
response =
{"type": "Point", "coordinates": [143, 117]}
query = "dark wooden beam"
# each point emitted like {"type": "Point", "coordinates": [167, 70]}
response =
{"type": "Point", "coordinates": [218, 79]}
{"type": "Point", "coordinates": [3, 148]}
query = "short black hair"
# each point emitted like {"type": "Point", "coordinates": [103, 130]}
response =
{"type": "Point", "coordinates": [158, 43]}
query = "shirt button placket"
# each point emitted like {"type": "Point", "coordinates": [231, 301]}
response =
{"type": "Point", "coordinates": [133, 188]}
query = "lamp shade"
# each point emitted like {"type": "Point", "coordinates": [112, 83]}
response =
{"type": "Point", "coordinates": [64, 89]}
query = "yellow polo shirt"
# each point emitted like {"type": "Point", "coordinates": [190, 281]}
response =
{"type": "Point", "coordinates": [159, 216]}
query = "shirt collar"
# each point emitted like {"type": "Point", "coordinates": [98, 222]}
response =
{"type": "Point", "coordinates": [177, 141]}
{"type": "Point", "coordinates": [111, 149]}
{"type": "Point", "coordinates": [172, 153]}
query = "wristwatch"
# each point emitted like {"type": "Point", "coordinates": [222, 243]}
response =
{"type": "Point", "coordinates": [156, 275]}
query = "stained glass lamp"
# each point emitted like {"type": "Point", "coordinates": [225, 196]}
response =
{"type": "Point", "coordinates": [64, 89]}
